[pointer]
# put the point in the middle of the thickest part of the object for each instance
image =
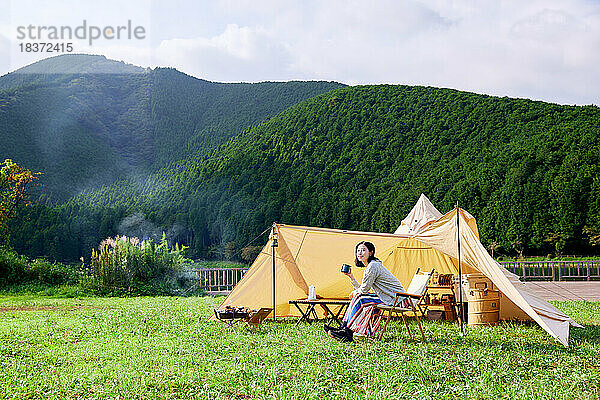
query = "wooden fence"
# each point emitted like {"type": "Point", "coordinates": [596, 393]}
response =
{"type": "Point", "coordinates": [555, 270]}
{"type": "Point", "coordinates": [219, 280]}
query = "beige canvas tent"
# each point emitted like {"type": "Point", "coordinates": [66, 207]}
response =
{"type": "Point", "coordinates": [312, 256]}
{"type": "Point", "coordinates": [421, 214]}
{"type": "Point", "coordinates": [425, 213]}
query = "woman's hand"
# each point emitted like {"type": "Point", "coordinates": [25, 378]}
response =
{"type": "Point", "coordinates": [349, 274]}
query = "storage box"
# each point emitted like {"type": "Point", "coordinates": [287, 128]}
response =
{"type": "Point", "coordinates": [449, 311]}
{"type": "Point", "coordinates": [435, 315]}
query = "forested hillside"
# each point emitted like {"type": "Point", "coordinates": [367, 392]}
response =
{"type": "Point", "coordinates": [358, 158]}
{"type": "Point", "coordinates": [86, 121]}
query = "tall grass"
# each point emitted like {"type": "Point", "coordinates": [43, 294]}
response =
{"type": "Point", "coordinates": [133, 265]}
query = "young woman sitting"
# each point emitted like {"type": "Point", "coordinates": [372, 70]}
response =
{"type": "Point", "coordinates": [361, 316]}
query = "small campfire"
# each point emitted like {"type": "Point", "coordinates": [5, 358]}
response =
{"type": "Point", "coordinates": [234, 313]}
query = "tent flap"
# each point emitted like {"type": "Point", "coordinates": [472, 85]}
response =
{"type": "Point", "coordinates": [443, 235]}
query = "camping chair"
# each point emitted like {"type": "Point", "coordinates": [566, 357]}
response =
{"type": "Point", "coordinates": [415, 291]}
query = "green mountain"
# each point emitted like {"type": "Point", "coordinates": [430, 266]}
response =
{"type": "Point", "coordinates": [358, 158]}
{"type": "Point", "coordinates": [51, 69]}
{"type": "Point", "coordinates": [86, 121]}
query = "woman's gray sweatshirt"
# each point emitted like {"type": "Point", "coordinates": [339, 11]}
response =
{"type": "Point", "coordinates": [378, 278]}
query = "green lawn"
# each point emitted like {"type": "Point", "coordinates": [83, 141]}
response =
{"type": "Point", "coordinates": [163, 347]}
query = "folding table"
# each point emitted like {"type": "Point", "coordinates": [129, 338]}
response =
{"type": "Point", "coordinates": [309, 310]}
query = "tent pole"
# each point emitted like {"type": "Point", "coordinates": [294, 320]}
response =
{"type": "Point", "coordinates": [274, 244]}
{"type": "Point", "coordinates": [460, 288]}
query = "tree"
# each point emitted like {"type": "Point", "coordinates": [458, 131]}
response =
{"type": "Point", "coordinates": [13, 190]}
{"type": "Point", "coordinates": [249, 253]}
{"type": "Point", "coordinates": [493, 246]}
{"type": "Point", "coordinates": [230, 251]}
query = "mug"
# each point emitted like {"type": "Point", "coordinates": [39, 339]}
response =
{"type": "Point", "coordinates": [346, 268]}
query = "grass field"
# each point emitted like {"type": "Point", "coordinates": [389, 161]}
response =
{"type": "Point", "coordinates": [162, 347]}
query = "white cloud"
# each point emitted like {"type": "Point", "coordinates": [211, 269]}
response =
{"type": "Point", "coordinates": [501, 48]}
{"type": "Point", "coordinates": [541, 49]}
{"type": "Point", "coordinates": [239, 53]}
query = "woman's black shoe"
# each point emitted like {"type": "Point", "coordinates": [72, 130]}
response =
{"type": "Point", "coordinates": [328, 328]}
{"type": "Point", "coordinates": [343, 335]}
{"type": "Point", "coordinates": [349, 333]}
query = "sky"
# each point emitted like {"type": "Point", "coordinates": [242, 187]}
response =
{"type": "Point", "coordinates": [538, 49]}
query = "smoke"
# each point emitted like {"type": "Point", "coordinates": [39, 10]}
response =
{"type": "Point", "coordinates": [136, 225]}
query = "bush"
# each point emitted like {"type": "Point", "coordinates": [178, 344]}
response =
{"type": "Point", "coordinates": [18, 270]}
{"type": "Point", "coordinates": [134, 266]}
{"type": "Point", "coordinates": [121, 267]}
{"type": "Point", "coordinates": [53, 273]}
{"type": "Point", "coordinates": [13, 267]}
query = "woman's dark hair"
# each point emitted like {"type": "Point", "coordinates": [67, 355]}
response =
{"type": "Point", "coordinates": [371, 247]}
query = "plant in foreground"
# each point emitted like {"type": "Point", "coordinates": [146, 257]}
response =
{"type": "Point", "coordinates": [133, 265]}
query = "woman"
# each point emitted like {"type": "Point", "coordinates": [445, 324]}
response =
{"type": "Point", "coordinates": [361, 308]}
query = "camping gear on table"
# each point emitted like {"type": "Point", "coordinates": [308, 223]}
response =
{"type": "Point", "coordinates": [440, 293]}
{"type": "Point", "coordinates": [441, 279]}
{"type": "Point", "coordinates": [309, 254]}
{"type": "Point", "coordinates": [233, 312]}
{"type": "Point", "coordinates": [445, 279]}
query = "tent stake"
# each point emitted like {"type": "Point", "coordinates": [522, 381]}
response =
{"type": "Point", "coordinates": [460, 287]}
